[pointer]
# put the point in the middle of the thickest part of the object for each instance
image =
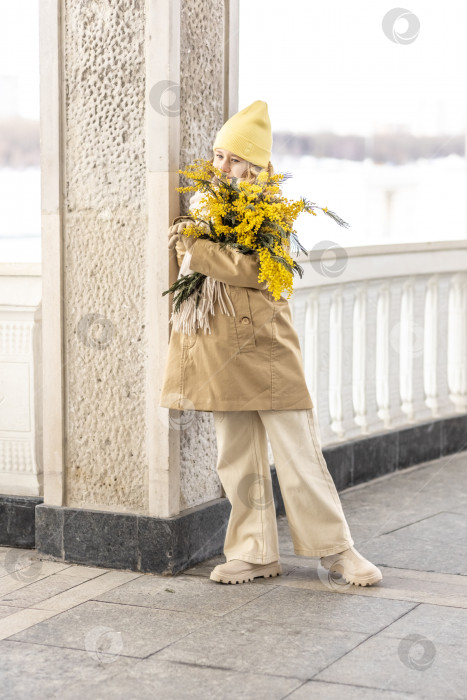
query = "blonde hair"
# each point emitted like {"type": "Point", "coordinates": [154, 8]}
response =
{"type": "Point", "coordinates": [253, 171]}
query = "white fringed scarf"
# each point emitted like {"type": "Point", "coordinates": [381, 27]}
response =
{"type": "Point", "coordinates": [189, 318]}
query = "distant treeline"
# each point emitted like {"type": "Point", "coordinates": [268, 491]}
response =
{"type": "Point", "coordinates": [20, 145]}
{"type": "Point", "coordinates": [397, 148]}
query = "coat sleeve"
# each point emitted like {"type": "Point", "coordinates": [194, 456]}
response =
{"type": "Point", "coordinates": [179, 245]}
{"type": "Point", "coordinates": [225, 264]}
{"type": "Point", "coordinates": [180, 251]}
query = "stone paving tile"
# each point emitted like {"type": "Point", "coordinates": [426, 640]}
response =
{"type": "Point", "coordinates": [40, 672]}
{"type": "Point", "coordinates": [403, 665]}
{"type": "Point", "coordinates": [82, 572]}
{"type": "Point", "coordinates": [21, 620]}
{"type": "Point", "coordinates": [26, 617]}
{"type": "Point", "coordinates": [264, 648]}
{"type": "Point", "coordinates": [17, 558]}
{"type": "Point", "coordinates": [297, 635]}
{"type": "Point", "coordinates": [122, 629]}
{"type": "Point", "coordinates": [14, 580]}
{"type": "Point", "coordinates": [320, 690]}
{"type": "Point", "coordinates": [6, 610]}
{"type": "Point", "coordinates": [395, 586]}
{"type": "Point", "coordinates": [37, 591]}
{"type": "Point", "coordinates": [26, 564]}
{"type": "Point", "coordinates": [187, 594]}
{"type": "Point", "coordinates": [159, 678]}
{"type": "Point", "coordinates": [87, 590]}
{"type": "Point", "coordinates": [323, 609]}
{"type": "Point", "coordinates": [436, 543]}
{"type": "Point", "coordinates": [442, 625]}
{"type": "Point", "coordinates": [406, 496]}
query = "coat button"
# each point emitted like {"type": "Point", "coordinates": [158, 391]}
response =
{"type": "Point", "coordinates": [245, 319]}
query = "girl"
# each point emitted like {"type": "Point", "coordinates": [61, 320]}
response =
{"type": "Point", "coordinates": [247, 369]}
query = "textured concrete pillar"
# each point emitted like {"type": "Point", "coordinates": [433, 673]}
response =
{"type": "Point", "coordinates": [130, 92]}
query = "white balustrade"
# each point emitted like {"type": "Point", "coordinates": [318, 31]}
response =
{"type": "Point", "coordinates": [457, 342]}
{"type": "Point", "coordinates": [20, 380]}
{"type": "Point", "coordinates": [384, 341]}
{"type": "Point", "coordinates": [383, 334]}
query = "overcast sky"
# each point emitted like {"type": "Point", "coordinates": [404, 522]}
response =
{"type": "Point", "coordinates": [317, 65]}
{"type": "Point", "coordinates": [330, 66]}
{"type": "Point", "coordinates": [19, 51]}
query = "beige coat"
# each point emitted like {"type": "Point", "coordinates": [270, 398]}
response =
{"type": "Point", "coordinates": [250, 361]}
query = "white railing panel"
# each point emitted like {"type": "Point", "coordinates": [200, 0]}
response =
{"type": "Point", "coordinates": [384, 342]}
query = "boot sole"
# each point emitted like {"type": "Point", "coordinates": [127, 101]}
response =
{"type": "Point", "coordinates": [358, 581]}
{"type": "Point", "coordinates": [245, 578]}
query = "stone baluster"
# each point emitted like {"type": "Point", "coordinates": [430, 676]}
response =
{"type": "Point", "coordinates": [394, 416]}
{"type": "Point", "coordinates": [457, 342]}
{"type": "Point", "coordinates": [412, 344]}
{"type": "Point", "coordinates": [365, 330]}
{"type": "Point", "coordinates": [444, 403]}
{"type": "Point", "coordinates": [317, 364]}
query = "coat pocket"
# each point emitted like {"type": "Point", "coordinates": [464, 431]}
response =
{"type": "Point", "coordinates": [243, 319]}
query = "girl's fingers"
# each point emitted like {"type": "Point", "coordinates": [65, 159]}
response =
{"type": "Point", "coordinates": [173, 229]}
{"type": "Point", "coordinates": [178, 228]}
{"type": "Point", "coordinates": [173, 239]}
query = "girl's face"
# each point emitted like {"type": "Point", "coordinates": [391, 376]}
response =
{"type": "Point", "coordinates": [229, 163]}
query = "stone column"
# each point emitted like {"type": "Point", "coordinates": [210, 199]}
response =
{"type": "Point", "coordinates": [130, 93]}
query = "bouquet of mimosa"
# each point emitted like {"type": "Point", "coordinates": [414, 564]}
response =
{"type": "Point", "coordinates": [250, 217]}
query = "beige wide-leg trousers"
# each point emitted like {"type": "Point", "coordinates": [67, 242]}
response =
{"type": "Point", "coordinates": [314, 512]}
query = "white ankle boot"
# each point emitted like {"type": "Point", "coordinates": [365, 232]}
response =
{"type": "Point", "coordinates": [238, 571]}
{"type": "Point", "coordinates": [353, 567]}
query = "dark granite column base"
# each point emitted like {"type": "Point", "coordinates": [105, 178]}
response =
{"type": "Point", "coordinates": [170, 545]}
{"type": "Point", "coordinates": [17, 515]}
{"type": "Point", "coordinates": [131, 541]}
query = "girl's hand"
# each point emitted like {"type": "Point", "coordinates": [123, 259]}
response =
{"type": "Point", "coordinates": [189, 240]}
{"type": "Point", "coordinates": [178, 228]}
{"type": "Point", "coordinates": [176, 234]}
{"type": "Point", "coordinates": [175, 231]}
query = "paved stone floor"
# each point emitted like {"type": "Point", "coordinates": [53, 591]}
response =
{"type": "Point", "coordinates": [68, 630]}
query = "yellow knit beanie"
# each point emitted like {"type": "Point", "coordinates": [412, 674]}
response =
{"type": "Point", "coordinates": [248, 134]}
